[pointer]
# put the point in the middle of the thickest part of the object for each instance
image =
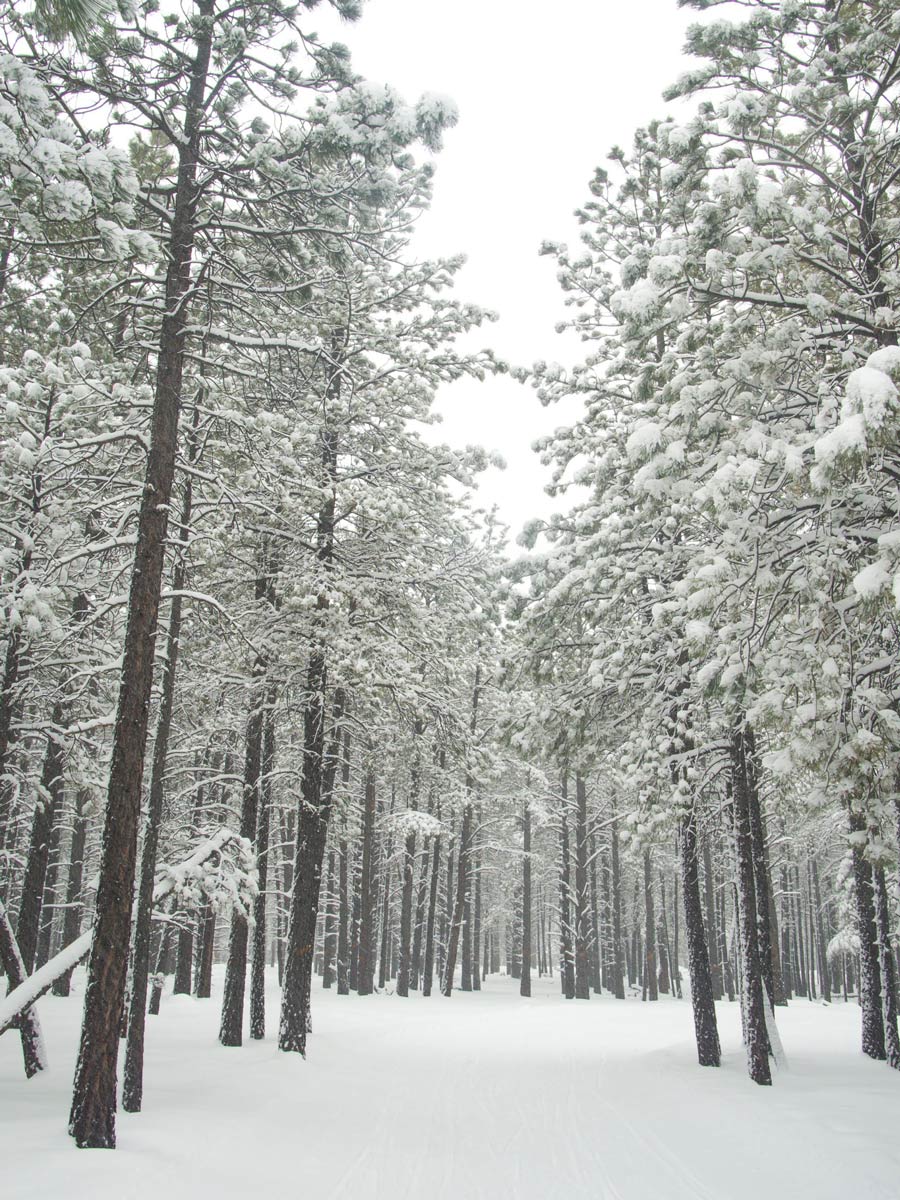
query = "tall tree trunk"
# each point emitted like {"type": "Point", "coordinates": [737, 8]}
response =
{"type": "Point", "coordinates": [258, 966]}
{"type": "Point", "coordinates": [317, 789]}
{"type": "Point", "coordinates": [888, 968]}
{"type": "Point", "coordinates": [73, 913]}
{"type": "Point", "coordinates": [870, 987]}
{"type": "Point", "coordinates": [367, 893]}
{"type": "Point", "coordinates": [428, 964]}
{"type": "Point", "coordinates": [706, 1029]}
{"type": "Point", "coordinates": [315, 795]}
{"type": "Point", "coordinates": [133, 1082]}
{"type": "Point", "coordinates": [456, 922]}
{"type": "Point", "coordinates": [770, 958]}
{"type": "Point", "coordinates": [476, 913]}
{"type": "Point", "coordinates": [343, 946]}
{"type": "Point", "coordinates": [665, 957]}
{"type": "Point", "coordinates": [93, 1113]}
{"type": "Point", "coordinates": [751, 966]}
{"type": "Point", "coordinates": [650, 979]}
{"type": "Point", "coordinates": [596, 982]}
{"type": "Point", "coordinates": [566, 955]}
{"type": "Point", "coordinates": [582, 945]}
{"type": "Point", "coordinates": [409, 875]}
{"type": "Point", "coordinates": [465, 839]}
{"type": "Point", "coordinates": [525, 984]}
{"type": "Point", "coordinates": [329, 945]}
{"type": "Point", "coordinates": [712, 925]}
{"type": "Point", "coordinates": [47, 811]}
{"type": "Point", "coordinates": [15, 972]}
{"type": "Point", "coordinates": [419, 921]}
{"type": "Point", "coordinates": [617, 980]}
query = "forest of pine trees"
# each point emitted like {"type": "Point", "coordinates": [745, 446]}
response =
{"type": "Point", "coordinates": [277, 695]}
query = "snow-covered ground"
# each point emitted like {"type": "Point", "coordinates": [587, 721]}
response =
{"type": "Point", "coordinates": [482, 1095]}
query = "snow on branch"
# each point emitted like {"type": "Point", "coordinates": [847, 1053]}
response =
{"type": "Point", "coordinates": [222, 870]}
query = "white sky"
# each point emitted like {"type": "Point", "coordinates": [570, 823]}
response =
{"type": "Point", "coordinates": [544, 90]}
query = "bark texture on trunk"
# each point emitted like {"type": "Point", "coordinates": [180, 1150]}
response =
{"type": "Point", "coordinates": [706, 1030]}
{"type": "Point", "coordinates": [92, 1119]}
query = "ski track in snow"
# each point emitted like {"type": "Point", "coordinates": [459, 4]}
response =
{"type": "Point", "coordinates": [464, 1099]}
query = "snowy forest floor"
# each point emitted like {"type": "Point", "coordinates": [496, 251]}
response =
{"type": "Point", "coordinates": [482, 1095]}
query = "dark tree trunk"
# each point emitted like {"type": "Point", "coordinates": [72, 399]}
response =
{"type": "Point", "coordinates": [596, 982]}
{"type": "Point", "coordinates": [46, 816]}
{"type": "Point", "coordinates": [821, 939]}
{"type": "Point", "coordinates": [651, 982]}
{"type": "Point", "coordinates": [14, 970]}
{"type": "Point", "coordinates": [475, 886]}
{"type": "Point", "coordinates": [317, 789]}
{"type": "Point", "coordinates": [458, 917]}
{"type": "Point", "coordinates": [93, 1113]}
{"type": "Point", "coordinates": [770, 958]}
{"type": "Point", "coordinates": [367, 894]}
{"type": "Point", "coordinates": [406, 900]}
{"type": "Point", "coordinates": [343, 945]}
{"type": "Point", "coordinates": [566, 955]}
{"type": "Point", "coordinates": [463, 866]}
{"type": "Point", "coordinates": [72, 917]}
{"type": "Point", "coordinates": [870, 988]}
{"type": "Point", "coordinates": [525, 984]}
{"type": "Point", "coordinates": [133, 1082]}
{"type": "Point", "coordinates": [706, 1030]}
{"type": "Point", "coordinates": [329, 940]}
{"type": "Point", "coordinates": [231, 1029]}
{"type": "Point", "coordinates": [665, 957]}
{"type": "Point", "coordinates": [582, 940]}
{"type": "Point", "coordinates": [753, 995]}
{"type": "Point", "coordinates": [184, 959]}
{"type": "Point", "coordinates": [428, 965]}
{"type": "Point", "coordinates": [207, 951]}
{"type": "Point", "coordinates": [419, 922]}
{"type": "Point", "coordinates": [258, 966]}
{"type": "Point", "coordinates": [888, 968]}
{"type": "Point", "coordinates": [617, 980]}
{"type": "Point", "coordinates": [712, 925]}
{"type": "Point", "coordinates": [676, 953]}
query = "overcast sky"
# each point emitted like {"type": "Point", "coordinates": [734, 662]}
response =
{"type": "Point", "coordinates": [543, 92]}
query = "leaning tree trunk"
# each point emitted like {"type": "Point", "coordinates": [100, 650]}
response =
{"type": "Point", "coordinates": [754, 999]}
{"type": "Point", "coordinates": [93, 1114]}
{"type": "Point", "coordinates": [706, 1030]}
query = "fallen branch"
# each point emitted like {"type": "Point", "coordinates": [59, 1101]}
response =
{"type": "Point", "coordinates": [29, 1026]}
{"type": "Point", "coordinates": [15, 1008]}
